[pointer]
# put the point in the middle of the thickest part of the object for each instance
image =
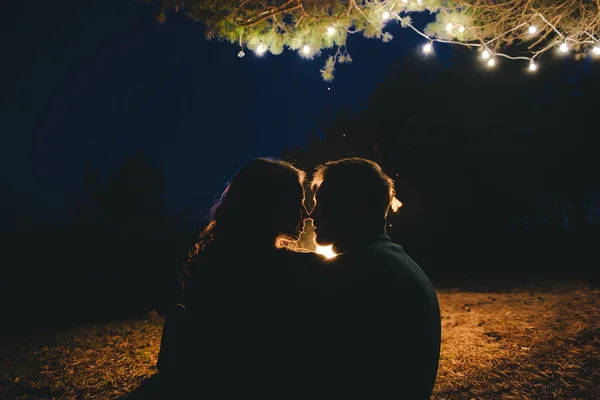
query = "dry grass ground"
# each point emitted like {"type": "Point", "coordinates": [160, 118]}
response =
{"type": "Point", "coordinates": [535, 342]}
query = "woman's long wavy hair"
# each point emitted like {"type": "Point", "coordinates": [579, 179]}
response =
{"type": "Point", "coordinates": [264, 200]}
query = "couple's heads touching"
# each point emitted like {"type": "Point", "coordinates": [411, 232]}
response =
{"type": "Point", "coordinates": [368, 322]}
{"type": "Point", "coordinates": [264, 204]}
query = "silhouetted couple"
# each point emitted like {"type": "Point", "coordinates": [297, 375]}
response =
{"type": "Point", "coordinates": [260, 321]}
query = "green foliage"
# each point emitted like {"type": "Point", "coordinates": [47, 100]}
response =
{"type": "Point", "coordinates": [312, 26]}
{"type": "Point", "coordinates": [327, 71]}
{"type": "Point", "coordinates": [306, 26]}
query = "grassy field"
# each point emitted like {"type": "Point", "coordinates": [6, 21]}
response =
{"type": "Point", "coordinates": [533, 342]}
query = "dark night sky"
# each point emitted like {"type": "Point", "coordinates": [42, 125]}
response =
{"type": "Point", "coordinates": [95, 81]}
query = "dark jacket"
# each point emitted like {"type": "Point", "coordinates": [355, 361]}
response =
{"type": "Point", "coordinates": [383, 324]}
{"type": "Point", "coordinates": [241, 336]}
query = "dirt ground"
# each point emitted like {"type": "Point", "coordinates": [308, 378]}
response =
{"type": "Point", "coordinates": [538, 341]}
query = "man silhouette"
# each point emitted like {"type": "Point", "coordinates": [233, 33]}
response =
{"type": "Point", "coordinates": [382, 331]}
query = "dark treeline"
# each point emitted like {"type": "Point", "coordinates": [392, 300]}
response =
{"type": "Point", "coordinates": [497, 169]}
{"type": "Point", "coordinates": [117, 256]}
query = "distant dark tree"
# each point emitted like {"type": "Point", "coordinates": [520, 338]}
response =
{"type": "Point", "coordinates": [479, 159]}
{"type": "Point", "coordinates": [129, 243]}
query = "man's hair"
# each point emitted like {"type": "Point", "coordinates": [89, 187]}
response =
{"type": "Point", "coordinates": [360, 181]}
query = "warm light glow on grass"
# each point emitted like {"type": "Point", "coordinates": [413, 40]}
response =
{"type": "Point", "coordinates": [517, 341]}
{"type": "Point", "coordinates": [326, 251]}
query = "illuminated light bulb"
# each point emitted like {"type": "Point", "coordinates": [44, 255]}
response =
{"type": "Point", "coordinates": [427, 48]}
{"type": "Point", "coordinates": [491, 62]}
{"type": "Point", "coordinates": [261, 49]}
{"type": "Point", "coordinates": [385, 15]}
{"type": "Point", "coordinates": [532, 29]}
{"type": "Point", "coordinates": [485, 54]}
{"type": "Point", "coordinates": [449, 26]}
{"type": "Point", "coordinates": [306, 49]}
{"type": "Point", "coordinates": [330, 30]}
{"type": "Point", "coordinates": [532, 66]}
{"type": "Point", "coordinates": [241, 54]}
{"type": "Point", "coordinates": [596, 49]}
{"type": "Point", "coordinates": [461, 29]}
{"type": "Point", "coordinates": [564, 48]}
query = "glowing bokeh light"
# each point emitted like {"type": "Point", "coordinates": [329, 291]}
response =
{"type": "Point", "coordinates": [396, 204]}
{"type": "Point", "coordinates": [564, 48]}
{"type": "Point", "coordinates": [326, 251]}
{"type": "Point", "coordinates": [427, 48]}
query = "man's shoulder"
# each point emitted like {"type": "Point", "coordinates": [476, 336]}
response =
{"type": "Point", "coordinates": [388, 258]}
{"type": "Point", "coordinates": [379, 252]}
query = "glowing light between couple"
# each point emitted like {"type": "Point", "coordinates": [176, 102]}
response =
{"type": "Point", "coordinates": [327, 251]}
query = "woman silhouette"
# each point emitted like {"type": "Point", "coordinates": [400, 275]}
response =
{"type": "Point", "coordinates": [239, 287]}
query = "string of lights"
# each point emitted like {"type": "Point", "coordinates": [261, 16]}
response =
{"type": "Point", "coordinates": [489, 55]}
{"type": "Point", "coordinates": [536, 26]}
